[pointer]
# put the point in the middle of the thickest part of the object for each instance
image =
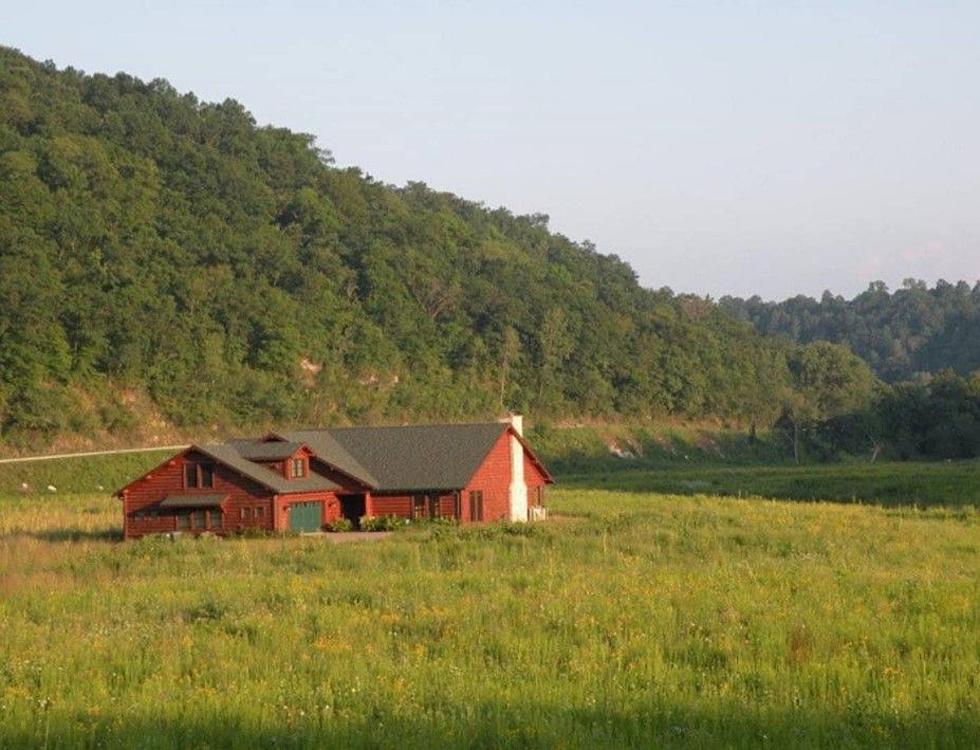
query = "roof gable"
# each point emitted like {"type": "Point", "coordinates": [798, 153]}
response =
{"type": "Point", "coordinates": [326, 448]}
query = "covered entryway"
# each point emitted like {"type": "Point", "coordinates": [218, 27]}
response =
{"type": "Point", "coordinates": [305, 516]}
{"type": "Point", "coordinates": [353, 508]}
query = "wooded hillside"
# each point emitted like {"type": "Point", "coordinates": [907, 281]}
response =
{"type": "Point", "coordinates": [156, 247]}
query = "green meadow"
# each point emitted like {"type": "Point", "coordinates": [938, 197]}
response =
{"type": "Point", "coordinates": [953, 484]}
{"type": "Point", "coordinates": [631, 619]}
{"type": "Point", "coordinates": [89, 474]}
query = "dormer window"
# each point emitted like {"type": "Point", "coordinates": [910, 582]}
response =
{"type": "Point", "coordinates": [198, 476]}
{"type": "Point", "coordinates": [297, 468]}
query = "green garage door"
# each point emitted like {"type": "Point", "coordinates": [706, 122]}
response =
{"type": "Point", "coordinates": [305, 516]}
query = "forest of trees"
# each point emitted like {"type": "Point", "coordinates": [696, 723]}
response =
{"type": "Point", "coordinates": [155, 243]}
{"type": "Point", "coordinates": [156, 247]}
{"type": "Point", "coordinates": [900, 334]}
{"type": "Point", "coordinates": [923, 342]}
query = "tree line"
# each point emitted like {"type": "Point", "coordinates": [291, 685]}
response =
{"type": "Point", "coordinates": [923, 342]}
{"type": "Point", "coordinates": [900, 334]}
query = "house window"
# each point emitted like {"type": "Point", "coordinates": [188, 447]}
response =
{"type": "Point", "coordinates": [297, 468]}
{"type": "Point", "coordinates": [259, 511]}
{"type": "Point", "coordinates": [215, 519]}
{"type": "Point", "coordinates": [198, 475]}
{"type": "Point", "coordinates": [183, 520]}
{"type": "Point", "coordinates": [198, 519]}
{"type": "Point", "coordinates": [476, 505]}
{"type": "Point", "coordinates": [245, 513]}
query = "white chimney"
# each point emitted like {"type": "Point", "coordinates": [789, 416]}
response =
{"type": "Point", "coordinates": [518, 487]}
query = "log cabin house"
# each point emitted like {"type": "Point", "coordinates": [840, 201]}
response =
{"type": "Point", "coordinates": [302, 480]}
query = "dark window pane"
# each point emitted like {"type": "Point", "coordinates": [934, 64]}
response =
{"type": "Point", "coordinates": [244, 513]}
{"type": "Point", "coordinates": [476, 505]}
{"type": "Point", "coordinates": [190, 475]}
{"type": "Point", "coordinates": [198, 519]}
{"type": "Point", "coordinates": [207, 475]}
{"type": "Point", "coordinates": [216, 521]}
{"type": "Point", "coordinates": [183, 520]}
{"type": "Point", "coordinates": [260, 512]}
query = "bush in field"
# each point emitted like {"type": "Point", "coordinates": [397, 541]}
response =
{"type": "Point", "coordinates": [253, 533]}
{"type": "Point", "coordinates": [382, 523]}
{"type": "Point", "coordinates": [502, 529]}
{"type": "Point", "coordinates": [340, 525]}
{"type": "Point", "coordinates": [441, 521]}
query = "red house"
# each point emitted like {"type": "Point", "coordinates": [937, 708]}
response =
{"type": "Point", "coordinates": [302, 480]}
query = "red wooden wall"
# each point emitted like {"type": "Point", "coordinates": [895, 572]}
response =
{"type": "Point", "coordinates": [401, 505]}
{"type": "Point", "coordinates": [493, 480]}
{"type": "Point", "coordinates": [168, 478]}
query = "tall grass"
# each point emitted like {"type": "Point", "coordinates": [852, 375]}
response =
{"type": "Point", "coordinates": [631, 620]}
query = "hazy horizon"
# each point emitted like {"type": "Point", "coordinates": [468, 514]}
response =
{"type": "Point", "coordinates": [719, 150]}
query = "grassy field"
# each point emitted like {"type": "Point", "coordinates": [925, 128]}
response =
{"type": "Point", "coordinates": [890, 484]}
{"type": "Point", "coordinates": [104, 474]}
{"type": "Point", "coordinates": [635, 619]}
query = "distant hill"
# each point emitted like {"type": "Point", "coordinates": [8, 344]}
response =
{"type": "Point", "coordinates": [913, 330]}
{"type": "Point", "coordinates": [156, 249]}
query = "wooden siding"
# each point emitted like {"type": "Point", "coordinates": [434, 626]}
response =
{"type": "Point", "coordinates": [536, 482]}
{"type": "Point", "coordinates": [391, 505]}
{"type": "Point", "coordinates": [401, 505]}
{"type": "Point", "coordinates": [533, 476]}
{"type": "Point", "coordinates": [447, 506]}
{"type": "Point", "coordinates": [493, 480]}
{"type": "Point", "coordinates": [168, 479]}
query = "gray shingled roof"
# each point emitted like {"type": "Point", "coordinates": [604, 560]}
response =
{"type": "Point", "coordinates": [328, 450]}
{"type": "Point", "coordinates": [265, 450]}
{"type": "Point", "coordinates": [410, 458]}
{"type": "Point", "coordinates": [229, 454]}
{"type": "Point", "coordinates": [384, 459]}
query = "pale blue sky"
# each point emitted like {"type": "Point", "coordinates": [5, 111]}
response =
{"type": "Point", "coordinates": [767, 147]}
